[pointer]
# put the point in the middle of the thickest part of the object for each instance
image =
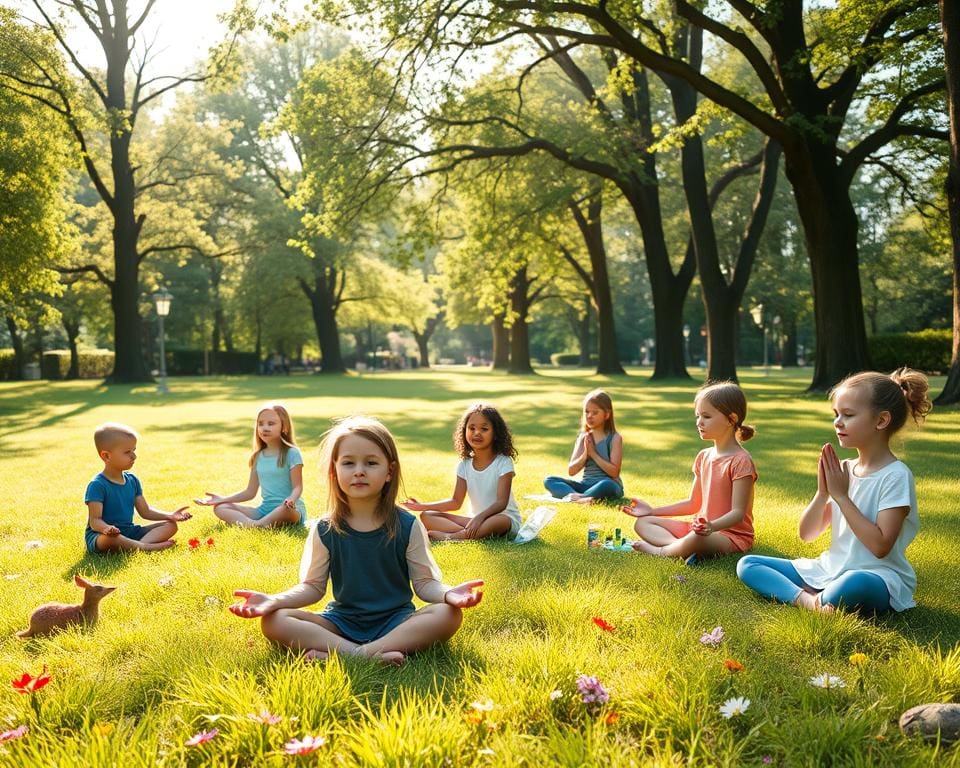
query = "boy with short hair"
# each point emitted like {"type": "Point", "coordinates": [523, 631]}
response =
{"type": "Point", "coordinates": [115, 493]}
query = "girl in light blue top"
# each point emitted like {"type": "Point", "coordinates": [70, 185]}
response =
{"type": "Point", "coordinates": [276, 470]}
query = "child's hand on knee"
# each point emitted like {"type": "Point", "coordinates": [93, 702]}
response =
{"type": "Point", "coordinates": [463, 596]}
{"type": "Point", "coordinates": [637, 508]}
{"type": "Point", "coordinates": [255, 604]}
{"type": "Point", "coordinates": [413, 505]}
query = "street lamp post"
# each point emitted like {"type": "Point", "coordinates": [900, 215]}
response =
{"type": "Point", "coordinates": [757, 314]}
{"type": "Point", "coordinates": [162, 301]}
{"type": "Point", "coordinates": [686, 345]}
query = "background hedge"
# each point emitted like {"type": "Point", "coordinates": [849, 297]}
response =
{"type": "Point", "coordinates": [94, 363]}
{"type": "Point", "coordinates": [928, 351]}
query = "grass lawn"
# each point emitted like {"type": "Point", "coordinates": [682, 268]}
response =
{"type": "Point", "coordinates": [167, 660]}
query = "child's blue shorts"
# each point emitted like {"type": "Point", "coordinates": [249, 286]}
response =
{"type": "Point", "coordinates": [366, 631]}
{"type": "Point", "coordinates": [135, 532]}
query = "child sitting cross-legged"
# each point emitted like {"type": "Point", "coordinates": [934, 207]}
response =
{"type": "Point", "coordinates": [114, 494]}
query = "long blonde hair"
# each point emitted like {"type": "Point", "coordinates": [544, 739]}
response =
{"type": "Point", "coordinates": [374, 431]}
{"type": "Point", "coordinates": [286, 434]}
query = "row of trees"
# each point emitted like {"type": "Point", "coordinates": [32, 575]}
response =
{"type": "Point", "coordinates": [307, 165]}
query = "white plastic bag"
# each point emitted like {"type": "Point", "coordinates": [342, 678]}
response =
{"type": "Point", "coordinates": [535, 522]}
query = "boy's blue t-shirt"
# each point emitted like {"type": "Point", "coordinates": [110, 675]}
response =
{"type": "Point", "coordinates": [117, 500]}
{"type": "Point", "coordinates": [275, 484]}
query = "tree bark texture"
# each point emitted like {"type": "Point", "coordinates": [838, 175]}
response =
{"type": "Point", "coordinates": [520, 301]}
{"type": "Point", "coordinates": [501, 343]}
{"type": "Point", "coordinates": [591, 229]}
{"type": "Point", "coordinates": [950, 21]}
{"type": "Point", "coordinates": [324, 296]}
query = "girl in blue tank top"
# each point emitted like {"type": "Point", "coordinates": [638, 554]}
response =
{"type": "Point", "coordinates": [598, 451]}
{"type": "Point", "coordinates": [372, 552]}
{"type": "Point", "coordinates": [276, 470]}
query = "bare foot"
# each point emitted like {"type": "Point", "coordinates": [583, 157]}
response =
{"type": "Point", "coordinates": [643, 546]}
{"type": "Point", "coordinates": [315, 655]}
{"type": "Point", "coordinates": [390, 658]}
{"type": "Point", "coordinates": [154, 546]}
{"type": "Point", "coordinates": [811, 601]}
{"type": "Point", "coordinates": [582, 500]}
{"type": "Point", "coordinates": [438, 536]}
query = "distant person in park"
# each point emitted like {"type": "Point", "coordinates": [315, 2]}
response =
{"type": "Point", "coordinates": [276, 470]}
{"type": "Point", "coordinates": [721, 498]}
{"type": "Point", "coordinates": [114, 494]}
{"type": "Point", "coordinates": [598, 451]}
{"type": "Point", "coordinates": [484, 443]}
{"type": "Point", "coordinates": [371, 550]}
{"type": "Point", "coordinates": [869, 504]}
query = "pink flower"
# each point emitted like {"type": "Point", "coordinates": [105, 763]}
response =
{"type": "Point", "coordinates": [265, 717]}
{"type": "Point", "coordinates": [591, 690]}
{"type": "Point", "coordinates": [604, 625]}
{"type": "Point", "coordinates": [713, 638]}
{"type": "Point", "coordinates": [16, 733]}
{"type": "Point", "coordinates": [202, 738]}
{"type": "Point", "coordinates": [305, 746]}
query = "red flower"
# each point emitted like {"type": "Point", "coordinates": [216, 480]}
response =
{"type": "Point", "coordinates": [194, 543]}
{"type": "Point", "coordinates": [732, 665]}
{"type": "Point", "coordinates": [604, 625]}
{"type": "Point", "coordinates": [28, 684]}
{"type": "Point", "coordinates": [210, 542]}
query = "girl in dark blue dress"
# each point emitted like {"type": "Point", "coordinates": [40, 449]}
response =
{"type": "Point", "coordinates": [373, 552]}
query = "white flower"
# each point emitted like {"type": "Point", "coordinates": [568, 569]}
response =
{"type": "Point", "coordinates": [12, 576]}
{"type": "Point", "coordinates": [554, 695]}
{"type": "Point", "coordinates": [733, 707]}
{"type": "Point", "coordinates": [483, 706]}
{"type": "Point", "coordinates": [212, 601]}
{"type": "Point", "coordinates": [165, 581]}
{"type": "Point", "coordinates": [35, 544]}
{"type": "Point", "coordinates": [486, 751]}
{"type": "Point", "coordinates": [828, 681]}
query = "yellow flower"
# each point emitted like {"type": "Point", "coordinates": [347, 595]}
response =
{"type": "Point", "coordinates": [103, 729]}
{"type": "Point", "coordinates": [859, 659]}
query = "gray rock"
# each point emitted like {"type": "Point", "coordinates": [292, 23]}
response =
{"type": "Point", "coordinates": [930, 719]}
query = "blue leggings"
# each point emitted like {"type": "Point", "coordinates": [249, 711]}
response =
{"type": "Point", "coordinates": [596, 489]}
{"type": "Point", "coordinates": [777, 578]}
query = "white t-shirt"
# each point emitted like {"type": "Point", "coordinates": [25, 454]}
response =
{"type": "Point", "coordinates": [482, 486]}
{"type": "Point", "coordinates": [891, 486]}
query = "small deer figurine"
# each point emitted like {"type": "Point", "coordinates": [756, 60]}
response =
{"type": "Point", "coordinates": [55, 617]}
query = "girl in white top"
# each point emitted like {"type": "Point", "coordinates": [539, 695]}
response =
{"type": "Point", "coordinates": [276, 470]}
{"type": "Point", "coordinates": [485, 474]}
{"type": "Point", "coordinates": [869, 504]}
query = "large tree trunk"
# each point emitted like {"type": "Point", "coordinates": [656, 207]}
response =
{"type": "Point", "coordinates": [721, 295]}
{"type": "Point", "coordinates": [17, 341]}
{"type": "Point", "coordinates": [950, 21]}
{"type": "Point", "coordinates": [501, 344]}
{"type": "Point", "coordinates": [830, 229]}
{"type": "Point", "coordinates": [520, 302]}
{"type": "Point", "coordinates": [72, 329]}
{"type": "Point", "coordinates": [324, 297]}
{"type": "Point", "coordinates": [789, 344]}
{"type": "Point", "coordinates": [598, 281]}
{"type": "Point", "coordinates": [422, 337]}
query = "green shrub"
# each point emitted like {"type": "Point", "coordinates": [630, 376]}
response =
{"type": "Point", "coordinates": [927, 351]}
{"type": "Point", "coordinates": [569, 358]}
{"type": "Point", "coordinates": [8, 365]}
{"type": "Point", "coordinates": [93, 363]}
